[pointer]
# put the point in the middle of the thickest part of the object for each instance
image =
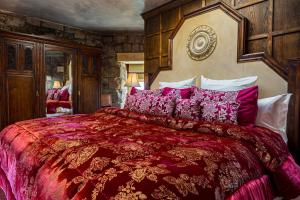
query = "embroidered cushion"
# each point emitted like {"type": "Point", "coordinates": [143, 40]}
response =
{"type": "Point", "coordinates": [178, 93]}
{"type": "Point", "coordinates": [156, 92]}
{"type": "Point", "coordinates": [247, 98]}
{"type": "Point", "coordinates": [221, 111]}
{"type": "Point", "coordinates": [187, 108]}
{"type": "Point", "coordinates": [154, 105]}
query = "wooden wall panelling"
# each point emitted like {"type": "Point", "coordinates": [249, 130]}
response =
{"type": "Point", "coordinates": [273, 28]}
{"type": "Point", "coordinates": [89, 81]}
{"type": "Point", "coordinates": [20, 86]}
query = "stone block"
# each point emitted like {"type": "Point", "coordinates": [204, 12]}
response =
{"type": "Point", "coordinates": [15, 21]}
{"type": "Point", "coordinates": [33, 21]}
{"type": "Point", "coordinates": [79, 34]}
{"type": "Point", "coordinates": [51, 25]}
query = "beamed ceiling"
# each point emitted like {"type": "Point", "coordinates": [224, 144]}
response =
{"type": "Point", "coordinates": [86, 14]}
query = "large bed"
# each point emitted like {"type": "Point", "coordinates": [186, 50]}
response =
{"type": "Point", "coordinates": [118, 154]}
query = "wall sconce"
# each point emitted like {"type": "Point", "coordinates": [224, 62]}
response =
{"type": "Point", "coordinates": [132, 80]}
{"type": "Point", "coordinates": [56, 85]}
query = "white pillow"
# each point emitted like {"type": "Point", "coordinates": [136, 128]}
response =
{"type": "Point", "coordinates": [272, 113]}
{"type": "Point", "coordinates": [180, 84]}
{"type": "Point", "coordinates": [228, 85]}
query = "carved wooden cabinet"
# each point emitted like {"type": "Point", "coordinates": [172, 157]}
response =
{"type": "Point", "coordinates": [22, 76]}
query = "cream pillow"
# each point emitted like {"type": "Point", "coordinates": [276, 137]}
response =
{"type": "Point", "coordinates": [180, 84]}
{"type": "Point", "coordinates": [228, 85]}
{"type": "Point", "coordinates": [272, 113]}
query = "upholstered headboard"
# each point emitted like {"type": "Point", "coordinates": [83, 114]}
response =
{"type": "Point", "coordinates": [229, 61]}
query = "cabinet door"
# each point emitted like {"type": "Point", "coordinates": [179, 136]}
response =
{"type": "Point", "coordinates": [20, 87]}
{"type": "Point", "coordinates": [89, 98]}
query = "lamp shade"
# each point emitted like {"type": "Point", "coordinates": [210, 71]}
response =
{"type": "Point", "coordinates": [56, 85]}
{"type": "Point", "coordinates": [132, 80]}
{"type": "Point", "coordinates": [106, 100]}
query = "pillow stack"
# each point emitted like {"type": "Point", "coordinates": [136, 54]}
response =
{"type": "Point", "coordinates": [229, 101]}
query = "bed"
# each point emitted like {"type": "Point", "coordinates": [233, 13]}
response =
{"type": "Point", "coordinates": [118, 154]}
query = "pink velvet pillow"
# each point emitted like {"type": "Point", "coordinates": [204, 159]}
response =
{"type": "Point", "coordinates": [156, 92]}
{"type": "Point", "coordinates": [178, 93]}
{"type": "Point", "coordinates": [247, 98]}
{"type": "Point", "coordinates": [56, 95]}
{"type": "Point", "coordinates": [154, 105]}
{"type": "Point", "coordinates": [50, 94]}
{"type": "Point", "coordinates": [222, 111]}
{"type": "Point", "coordinates": [187, 108]}
{"type": "Point", "coordinates": [64, 95]}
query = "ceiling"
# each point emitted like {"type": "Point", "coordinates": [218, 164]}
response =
{"type": "Point", "coordinates": [87, 14]}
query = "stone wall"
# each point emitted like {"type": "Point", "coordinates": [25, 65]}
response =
{"type": "Point", "coordinates": [111, 43]}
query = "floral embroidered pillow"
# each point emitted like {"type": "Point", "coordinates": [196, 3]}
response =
{"type": "Point", "coordinates": [184, 93]}
{"type": "Point", "coordinates": [222, 111]}
{"type": "Point", "coordinates": [187, 108]}
{"type": "Point", "coordinates": [156, 92]}
{"type": "Point", "coordinates": [154, 105]}
{"type": "Point", "coordinates": [247, 98]}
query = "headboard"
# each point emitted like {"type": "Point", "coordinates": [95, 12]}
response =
{"type": "Point", "coordinates": [229, 60]}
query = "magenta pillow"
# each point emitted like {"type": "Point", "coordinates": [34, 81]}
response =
{"type": "Point", "coordinates": [156, 92]}
{"type": "Point", "coordinates": [64, 95]}
{"type": "Point", "coordinates": [178, 93]}
{"type": "Point", "coordinates": [222, 111]}
{"type": "Point", "coordinates": [153, 105]}
{"type": "Point", "coordinates": [247, 99]}
{"type": "Point", "coordinates": [187, 108]}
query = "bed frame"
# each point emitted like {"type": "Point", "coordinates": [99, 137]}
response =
{"type": "Point", "coordinates": [291, 75]}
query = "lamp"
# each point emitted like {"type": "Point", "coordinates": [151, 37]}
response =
{"type": "Point", "coordinates": [106, 100]}
{"type": "Point", "coordinates": [132, 80]}
{"type": "Point", "coordinates": [56, 85]}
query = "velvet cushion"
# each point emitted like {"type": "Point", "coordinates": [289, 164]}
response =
{"type": "Point", "coordinates": [178, 93]}
{"type": "Point", "coordinates": [56, 95]}
{"type": "Point", "coordinates": [156, 92]}
{"type": "Point", "coordinates": [247, 99]}
{"type": "Point", "coordinates": [64, 95]}
{"type": "Point", "coordinates": [187, 108]}
{"type": "Point", "coordinates": [221, 111]}
{"type": "Point", "coordinates": [153, 105]}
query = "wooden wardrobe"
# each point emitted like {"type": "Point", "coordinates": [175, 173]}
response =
{"type": "Point", "coordinates": [22, 76]}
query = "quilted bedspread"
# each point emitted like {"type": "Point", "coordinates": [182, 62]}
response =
{"type": "Point", "coordinates": [117, 154]}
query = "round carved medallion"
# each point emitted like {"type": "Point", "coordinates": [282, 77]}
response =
{"type": "Point", "coordinates": [201, 43]}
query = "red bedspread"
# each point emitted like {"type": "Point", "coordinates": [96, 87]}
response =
{"type": "Point", "coordinates": [116, 154]}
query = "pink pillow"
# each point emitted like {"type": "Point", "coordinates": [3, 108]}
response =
{"type": "Point", "coordinates": [178, 93]}
{"type": "Point", "coordinates": [187, 108]}
{"type": "Point", "coordinates": [50, 94]}
{"type": "Point", "coordinates": [247, 98]}
{"type": "Point", "coordinates": [222, 111]}
{"type": "Point", "coordinates": [64, 95]}
{"type": "Point", "coordinates": [156, 92]}
{"type": "Point", "coordinates": [154, 105]}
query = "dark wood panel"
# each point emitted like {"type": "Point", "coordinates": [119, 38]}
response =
{"type": "Point", "coordinates": [165, 42]}
{"type": "Point", "coordinates": [287, 14]}
{"type": "Point", "coordinates": [153, 46]}
{"type": "Point", "coordinates": [152, 25]}
{"type": "Point", "coordinates": [89, 95]}
{"type": "Point", "coordinates": [256, 14]}
{"type": "Point", "coordinates": [170, 19]}
{"type": "Point", "coordinates": [257, 46]}
{"type": "Point", "coordinates": [286, 46]}
{"type": "Point", "coordinates": [191, 7]}
{"type": "Point", "coordinates": [20, 97]}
